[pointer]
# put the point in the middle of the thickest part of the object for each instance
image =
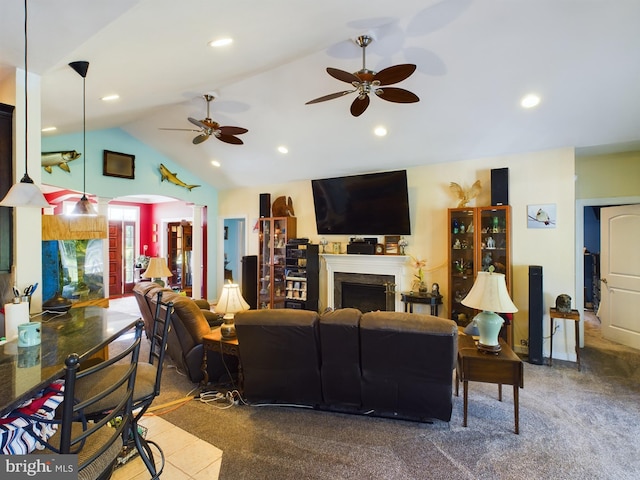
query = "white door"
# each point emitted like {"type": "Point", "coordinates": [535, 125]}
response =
{"type": "Point", "coordinates": [620, 274]}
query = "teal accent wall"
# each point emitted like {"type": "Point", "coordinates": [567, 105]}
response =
{"type": "Point", "coordinates": [147, 177]}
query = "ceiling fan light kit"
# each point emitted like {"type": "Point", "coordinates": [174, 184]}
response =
{"type": "Point", "coordinates": [366, 81]}
{"type": "Point", "coordinates": [208, 127]}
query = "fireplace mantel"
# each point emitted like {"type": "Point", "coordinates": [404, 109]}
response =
{"type": "Point", "coordinates": [365, 264]}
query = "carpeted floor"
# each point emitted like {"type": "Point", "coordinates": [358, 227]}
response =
{"type": "Point", "coordinates": [573, 425]}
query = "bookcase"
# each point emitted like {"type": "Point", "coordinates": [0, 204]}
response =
{"type": "Point", "coordinates": [302, 275]}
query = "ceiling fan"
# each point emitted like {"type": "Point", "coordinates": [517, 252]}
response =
{"type": "Point", "coordinates": [209, 127]}
{"type": "Point", "coordinates": [366, 81]}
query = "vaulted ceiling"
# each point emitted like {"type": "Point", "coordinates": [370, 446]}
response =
{"type": "Point", "coordinates": [475, 61]}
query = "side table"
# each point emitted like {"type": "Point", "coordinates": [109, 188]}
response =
{"type": "Point", "coordinates": [504, 367]}
{"type": "Point", "coordinates": [573, 315]}
{"type": "Point", "coordinates": [409, 298]}
{"type": "Point", "coordinates": [213, 342]}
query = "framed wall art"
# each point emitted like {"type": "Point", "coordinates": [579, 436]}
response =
{"type": "Point", "coordinates": [116, 164]}
{"type": "Point", "coordinates": [391, 244]}
{"type": "Point", "coordinates": [541, 216]}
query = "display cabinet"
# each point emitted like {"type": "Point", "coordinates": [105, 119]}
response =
{"type": "Point", "coordinates": [302, 275]}
{"type": "Point", "coordinates": [479, 238]}
{"type": "Point", "coordinates": [274, 234]}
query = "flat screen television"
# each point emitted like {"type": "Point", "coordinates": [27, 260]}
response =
{"type": "Point", "coordinates": [368, 204]}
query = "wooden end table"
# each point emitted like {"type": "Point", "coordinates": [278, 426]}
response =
{"type": "Point", "coordinates": [573, 315]}
{"type": "Point", "coordinates": [213, 342]}
{"type": "Point", "coordinates": [504, 367]}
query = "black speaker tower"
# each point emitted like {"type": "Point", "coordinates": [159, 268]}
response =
{"type": "Point", "coordinates": [250, 280]}
{"type": "Point", "coordinates": [500, 186]}
{"type": "Point", "coordinates": [535, 315]}
{"type": "Point", "coordinates": [265, 205]}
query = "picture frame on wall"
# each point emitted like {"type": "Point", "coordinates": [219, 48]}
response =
{"type": "Point", "coordinates": [391, 244]}
{"type": "Point", "coordinates": [116, 164]}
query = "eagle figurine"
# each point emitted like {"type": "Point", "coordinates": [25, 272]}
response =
{"type": "Point", "coordinates": [465, 196]}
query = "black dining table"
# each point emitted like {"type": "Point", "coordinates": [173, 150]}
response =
{"type": "Point", "coordinates": [86, 331]}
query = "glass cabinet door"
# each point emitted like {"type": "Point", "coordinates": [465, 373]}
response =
{"type": "Point", "coordinates": [461, 257]}
{"type": "Point", "coordinates": [494, 241]}
{"type": "Point", "coordinates": [264, 265]}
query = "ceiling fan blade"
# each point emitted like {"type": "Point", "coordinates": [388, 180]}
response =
{"type": "Point", "coordinates": [200, 138]}
{"type": "Point", "coordinates": [180, 129]}
{"type": "Point", "coordinates": [359, 105]}
{"type": "Point", "coordinates": [229, 139]}
{"type": "Point", "coordinates": [342, 75]}
{"type": "Point", "coordinates": [232, 130]}
{"type": "Point", "coordinates": [198, 123]}
{"type": "Point", "coordinates": [330, 97]}
{"type": "Point", "coordinates": [395, 74]}
{"type": "Point", "coordinates": [397, 95]}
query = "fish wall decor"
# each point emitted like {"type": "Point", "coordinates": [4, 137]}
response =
{"type": "Point", "coordinates": [61, 159]}
{"type": "Point", "coordinates": [173, 178]}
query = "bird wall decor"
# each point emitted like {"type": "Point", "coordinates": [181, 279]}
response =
{"type": "Point", "coordinates": [465, 195]}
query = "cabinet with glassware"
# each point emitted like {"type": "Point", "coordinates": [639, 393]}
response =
{"type": "Point", "coordinates": [302, 275]}
{"type": "Point", "coordinates": [275, 232]}
{"type": "Point", "coordinates": [479, 238]}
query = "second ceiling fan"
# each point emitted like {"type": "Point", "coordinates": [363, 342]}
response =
{"type": "Point", "coordinates": [210, 128]}
{"type": "Point", "coordinates": [366, 81]}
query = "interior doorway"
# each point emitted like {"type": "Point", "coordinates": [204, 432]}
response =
{"type": "Point", "coordinates": [584, 233]}
{"type": "Point", "coordinates": [234, 242]}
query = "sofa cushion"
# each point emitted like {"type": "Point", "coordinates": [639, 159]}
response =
{"type": "Point", "coordinates": [280, 355]}
{"type": "Point", "coordinates": [417, 379]}
{"type": "Point", "coordinates": [340, 350]}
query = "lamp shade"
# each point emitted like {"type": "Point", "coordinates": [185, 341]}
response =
{"type": "Point", "coordinates": [24, 194]}
{"type": "Point", "coordinates": [489, 293]}
{"type": "Point", "coordinates": [231, 300]}
{"type": "Point", "coordinates": [157, 268]}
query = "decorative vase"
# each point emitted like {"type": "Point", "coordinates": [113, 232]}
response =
{"type": "Point", "coordinates": [423, 288]}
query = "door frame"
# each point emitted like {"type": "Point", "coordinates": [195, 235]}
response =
{"type": "Point", "coordinates": [579, 239]}
{"type": "Point", "coordinates": [244, 243]}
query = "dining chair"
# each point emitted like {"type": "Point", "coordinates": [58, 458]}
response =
{"type": "Point", "coordinates": [97, 444]}
{"type": "Point", "coordinates": [147, 386]}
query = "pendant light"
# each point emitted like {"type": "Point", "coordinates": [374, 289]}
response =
{"type": "Point", "coordinates": [25, 193]}
{"type": "Point", "coordinates": [83, 207]}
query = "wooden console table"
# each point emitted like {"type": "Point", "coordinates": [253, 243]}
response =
{"type": "Point", "coordinates": [213, 342]}
{"type": "Point", "coordinates": [474, 365]}
{"type": "Point", "coordinates": [573, 315]}
{"type": "Point", "coordinates": [409, 298]}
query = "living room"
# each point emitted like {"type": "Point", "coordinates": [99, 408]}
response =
{"type": "Point", "coordinates": [595, 163]}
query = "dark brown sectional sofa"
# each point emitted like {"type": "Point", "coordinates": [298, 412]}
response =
{"type": "Point", "coordinates": [190, 321]}
{"type": "Point", "coordinates": [390, 364]}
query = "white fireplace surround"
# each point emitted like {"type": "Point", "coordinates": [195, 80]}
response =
{"type": "Point", "coordinates": [365, 264]}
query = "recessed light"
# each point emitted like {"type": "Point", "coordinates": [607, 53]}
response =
{"type": "Point", "coordinates": [283, 149]}
{"type": "Point", "coordinates": [110, 98]}
{"type": "Point", "coordinates": [380, 131]}
{"type": "Point", "coordinates": [529, 101]}
{"type": "Point", "coordinates": [215, 163]}
{"type": "Point", "coordinates": [221, 42]}
{"type": "Point", "coordinates": [48, 129]}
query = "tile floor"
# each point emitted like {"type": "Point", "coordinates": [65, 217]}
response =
{"type": "Point", "coordinates": [186, 456]}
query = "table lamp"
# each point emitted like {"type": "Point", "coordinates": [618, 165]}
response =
{"type": "Point", "coordinates": [229, 303]}
{"type": "Point", "coordinates": [489, 294]}
{"type": "Point", "coordinates": [157, 268]}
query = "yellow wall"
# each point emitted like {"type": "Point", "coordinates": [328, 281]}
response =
{"type": "Point", "coordinates": [612, 175]}
{"type": "Point", "coordinates": [534, 178]}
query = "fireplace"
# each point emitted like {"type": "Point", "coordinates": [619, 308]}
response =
{"type": "Point", "coordinates": [373, 282]}
{"type": "Point", "coordinates": [366, 292]}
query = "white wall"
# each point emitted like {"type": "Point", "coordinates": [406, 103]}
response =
{"type": "Point", "coordinates": [534, 178]}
